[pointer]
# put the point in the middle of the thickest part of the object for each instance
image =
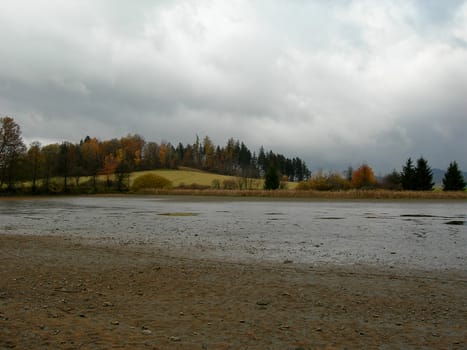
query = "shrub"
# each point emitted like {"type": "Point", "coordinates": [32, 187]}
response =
{"type": "Point", "coordinates": [193, 186]}
{"type": "Point", "coordinates": [216, 184]}
{"type": "Point", "coordinates": [303, 186]}
{"type": "Point", "coordinates": [324, 182]}
{"type": "Point", "coordinates": [229, 184]}
{"type": "Point", "coordinates": [150, 181]}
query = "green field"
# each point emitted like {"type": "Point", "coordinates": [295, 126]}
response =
{"type": "Point", "coordinates": [186, 177]}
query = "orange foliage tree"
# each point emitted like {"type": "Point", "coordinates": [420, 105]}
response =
{"type": "Point", "coordinates": [363, 177]}
{"type": "Point", "coordinates": [110, 165]}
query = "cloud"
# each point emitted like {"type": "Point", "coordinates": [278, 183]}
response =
{"type": "Point", "coordinates": [335, 83]}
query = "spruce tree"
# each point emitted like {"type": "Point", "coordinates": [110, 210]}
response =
{"type": "Point", "coordinates": [453, 179]}
{"type": "Point", "coordinates": [271, 179]}
{"type": "Point", "coordinates": [423, 176]}
{"type": "Point", "coordinates": [407, 177]}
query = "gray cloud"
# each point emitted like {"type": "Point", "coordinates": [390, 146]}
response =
{"type": "Point", "coordinates": [336, 83]}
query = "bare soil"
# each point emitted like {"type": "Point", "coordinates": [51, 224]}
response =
{"type": "Point", "coordinates": [65, 294]}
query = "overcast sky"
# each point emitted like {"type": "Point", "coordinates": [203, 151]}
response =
{"type": "Point", "coordinates": [336, 83]}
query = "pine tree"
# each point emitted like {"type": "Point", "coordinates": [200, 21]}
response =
{"type": "Point", "coordinates": [408, 176]}
{"type": "Point", "coordinates": [423, 176]}
{"type": "Point", "coordinates": [453, 179]}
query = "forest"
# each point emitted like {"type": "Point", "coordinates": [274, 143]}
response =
{"type": "Point", "coordinates": [115, 159]}
{"type": "Point", "coordinates": [92, 166]}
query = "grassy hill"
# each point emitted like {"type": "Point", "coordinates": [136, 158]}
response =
{"type": "Point", "coordinates": [185, 176]}
{"type": "Point", "coordinates": [188, 177]}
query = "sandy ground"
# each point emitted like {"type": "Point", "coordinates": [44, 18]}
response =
{"type": "Point", "coordinates": [64, 294]}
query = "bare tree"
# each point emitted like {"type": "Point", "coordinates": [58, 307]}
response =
{"type": "Point", "coordinates": [11, 148]}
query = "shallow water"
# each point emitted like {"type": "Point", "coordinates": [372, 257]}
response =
{"type": "Point", "coordinates": [430, 234]}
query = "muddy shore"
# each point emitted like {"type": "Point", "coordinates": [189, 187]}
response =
{"type": "Point", "coordinates": [56, 292]}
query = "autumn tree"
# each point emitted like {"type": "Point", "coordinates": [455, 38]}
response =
{"type": "Point", "coordinates": [132, 146]}
{"type": "Point", "coordinates": [453, 179]}
{"type": "Point", "coordinates": [363, 177]}
{"type": "Point", "coordinates": [92, 159]}
{"type": "Point", "coordinates": [111, 163]}
{"type": "Point", "coordinates": [11, 148]}
{"type": "Point", "coordinates": [163, 155]}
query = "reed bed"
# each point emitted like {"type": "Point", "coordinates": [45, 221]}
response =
{"type": "Point", "coordinates": [311, 194]}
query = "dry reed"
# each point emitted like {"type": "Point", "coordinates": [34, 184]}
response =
{"type": "Point", "coordinates": [311, 194]}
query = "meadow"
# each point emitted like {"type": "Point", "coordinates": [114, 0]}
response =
{"type": "Point", "coordinates": [187, 181]}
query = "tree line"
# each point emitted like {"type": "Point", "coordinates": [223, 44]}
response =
{"type": "Point", "coordinates": [115, 159]}
{"type": "Point", "coordinates": [413, 177]}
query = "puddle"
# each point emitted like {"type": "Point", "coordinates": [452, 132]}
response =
{"type": "Point", "coordinates": [455, 222]}
{"type": "Point", "coordinates": [179, 214]}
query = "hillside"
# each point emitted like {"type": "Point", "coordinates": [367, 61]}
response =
{"type": "Point", "coordinates": [189, 177]}
{"type": "Point", "coordinates": [185, 176]}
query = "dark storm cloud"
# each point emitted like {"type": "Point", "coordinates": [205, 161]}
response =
{"type": "Point", "coordinates": [336, 83]}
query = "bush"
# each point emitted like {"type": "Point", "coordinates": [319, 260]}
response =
{"type": "Point", "coordinates": [303, 186]}
{"type": "Point", "coordinates": [150, 181]}
{"type": "Point", "coordinates": [193, 186]}
{"type": "Point", "coordinates": [324, 182]}
{"type": "Point", "coordinates": [216, 184]}
{"type": "Point", "coordinates": [229, 184]}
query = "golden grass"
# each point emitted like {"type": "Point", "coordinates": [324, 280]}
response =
{"type": "Point", "coordinates": [188, 176]}
{"type": "Point", "coordinates": [326, 195]}
{"type": "Point", "coordinates": [185, 176]}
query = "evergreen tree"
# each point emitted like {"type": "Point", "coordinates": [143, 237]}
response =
{"type": "Point", "coordinates": [408, 176]}
{"type": "Point", "coordinates": [423, 176]}
{"type": "Point", "coordinates": [261, 160]}
{"type": "Point", "coordinates": [271, 179]}
{"type": "Point", "coordinates": [392, 181]}
{"type": "Point", "coordinates": [453, 179]}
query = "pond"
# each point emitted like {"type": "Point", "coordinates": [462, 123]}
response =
{"type": "Point", "coordinates": [414, 234]}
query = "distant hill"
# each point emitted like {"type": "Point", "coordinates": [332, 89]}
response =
{"type": "Point", "coordinates": [438, 175]}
